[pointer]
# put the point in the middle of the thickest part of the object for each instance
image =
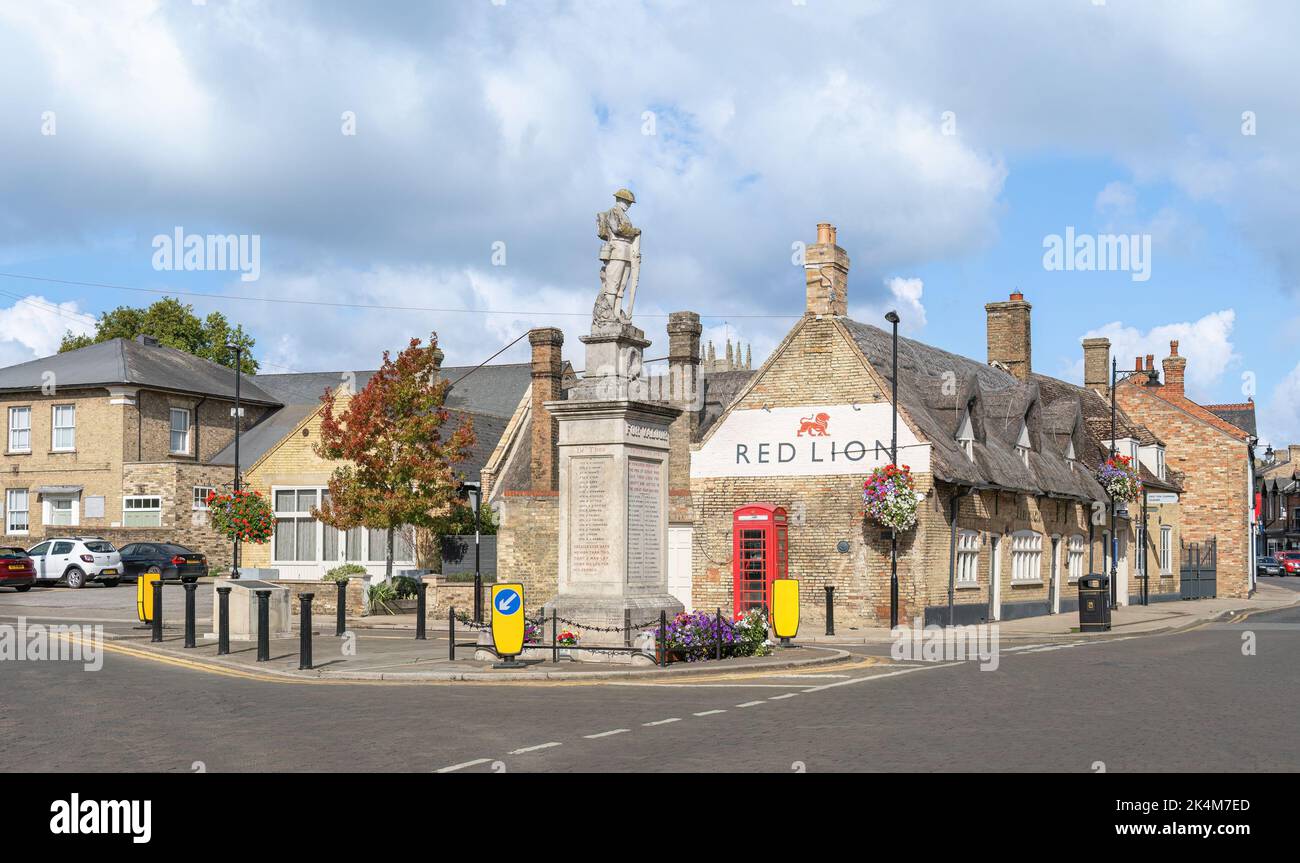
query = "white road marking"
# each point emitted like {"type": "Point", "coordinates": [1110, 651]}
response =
{"type": "Point", "coordinates": [709, 712]}
{"type": "Point", "coordinates": [533, 748]}
{"type": "Point", "coordinates": [756, 703]}
{"type": "Point", "coordinates": [463, 765]}
{"type": "Point", "coordinates": [661, 722]}
{"type": "Point", "coordinates": [882, 676]}
{"type": "Point", "coordinates": [779, 697]}
{"type": "Point", "coordinates": [607, 733]}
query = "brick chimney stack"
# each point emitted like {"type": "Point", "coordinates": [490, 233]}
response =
{"type": "Point", "coordinates": [826, 274]}
{"type": "Point", "coordinates": [1096, 365]}
{"type": "Point", "coordinates": [548, 370]}
{"type": "Point", "coordinates": [1010, 340]}
{"type": "Point", "coordinates": [1174, 368]}
{"type": "Point", "coordinates": [684, 392]}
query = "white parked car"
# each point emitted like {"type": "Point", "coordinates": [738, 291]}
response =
{"type": "Point", "coordinates": [76, 560]}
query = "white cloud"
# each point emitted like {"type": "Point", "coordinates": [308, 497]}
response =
{"type": "Point", "coordinates": [1206, 343]}
{"type": "Point", "coordinates": [1279, 417]}
{"type": "Point", "coordinates": [33, 327]}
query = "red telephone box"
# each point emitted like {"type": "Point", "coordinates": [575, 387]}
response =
{"type": "Point", "coordinates": [759, 548]}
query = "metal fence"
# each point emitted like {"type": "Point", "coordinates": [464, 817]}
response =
{"type": "Point", "coordinates": [1198, 569]}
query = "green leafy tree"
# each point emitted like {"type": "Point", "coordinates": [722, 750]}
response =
{"type": "Point", "coordinates": [399, 462]}
{"type": "Point", "coordinates": [175, 325]}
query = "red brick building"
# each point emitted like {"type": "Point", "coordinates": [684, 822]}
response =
{"type": "Point", "coordinates": [1214, 454]}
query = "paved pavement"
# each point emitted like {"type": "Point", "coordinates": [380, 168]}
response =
{"type": "Point", "coordinates": [1193, 700]}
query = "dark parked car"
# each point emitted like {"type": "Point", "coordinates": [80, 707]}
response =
{"type": "Point", "coordinates": [16, 569]}
{"type": "Point", "coordinates": [172, 562]}
{"type": "Point", "coordinates": [1269, 566]}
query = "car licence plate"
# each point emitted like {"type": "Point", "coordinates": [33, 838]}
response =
{"type": "Point", "coordinates": [16, 566]}
{"type": "Point", "coordinates": [108, 572]}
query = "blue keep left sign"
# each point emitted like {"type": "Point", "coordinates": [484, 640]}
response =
{"type": "Point", "coordinates": [508, 601]}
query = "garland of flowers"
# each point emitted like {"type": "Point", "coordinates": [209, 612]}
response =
{"type": "Point", "coordinates": [242, 515]}
{"type": "Point", "coordinates": [890, 498]}
{"type": "Point", "coordinates": [1119, 477]}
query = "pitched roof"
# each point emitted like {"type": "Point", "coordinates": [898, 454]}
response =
{"type": "Point", "coordinates": [1241, 415]}
{"type": "Point", "coordinates": [1199, 411]}
{"type": "Point", "coordinates": [480, 395]}
{"type": "Point", "coordinates": [935, 389]}
{"type": "Point", "coordinates": [127, 362]}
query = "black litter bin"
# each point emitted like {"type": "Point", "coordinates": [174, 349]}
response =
{"type": "Point", "coordinates": [1094, 603]}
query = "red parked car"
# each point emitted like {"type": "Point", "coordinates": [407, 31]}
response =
{"type": "Point", "coordinates": [1290, 561]}
{"type": "Point", "coordinates": [16, 569]}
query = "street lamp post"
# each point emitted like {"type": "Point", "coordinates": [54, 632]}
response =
{"type": "Point", "coordinates": [238, 351]}
{"type": "Point", "coordinates": [1115, 377]}
{"type": "Point", "coordinates": [892, 317]}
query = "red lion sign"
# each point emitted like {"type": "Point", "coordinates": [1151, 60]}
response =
{"type": "Point", "coordinates": [815, 426]}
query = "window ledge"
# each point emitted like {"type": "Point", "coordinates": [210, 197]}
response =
{"type": "Point", "coordinates": [966, 587]}
{"type": "Point", "coordinates": [62, 451]}
{"type": "Point", "coordinates": [18, 452]}
{"type": "Point", "coordinates": [1026, 582]}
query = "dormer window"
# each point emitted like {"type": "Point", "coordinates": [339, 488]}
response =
{"type": "Point", "coordinates": [1160, 462]}
{"type": "Point", "coordinates": [966, 437]}
{"type": "Point", "coordinates": [1022, 444]}
{"type": "Point", "coordinates": [1069, 452]}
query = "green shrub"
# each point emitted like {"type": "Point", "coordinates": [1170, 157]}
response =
{"type": "Point", "coordinates": [406, 587]}
{"type": "Point", "coordinates": [379, 596]}
{"type": "Point", "coordinates": [347, 570]}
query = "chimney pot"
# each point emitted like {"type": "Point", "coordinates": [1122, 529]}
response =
{"type": "Point", "coordinates": [1173, 348]}
{"type": "Point", "coordinates": [1016, 296]}
{"type": "Point", "coordinates": [1137, 364]}
{"type": "Point", "coordinates": [825, 234]}
{"type": "Point", "coordinates": [1151, 362]}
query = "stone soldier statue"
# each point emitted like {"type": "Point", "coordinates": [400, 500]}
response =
{"type": "Point", "coordinates": [621, 256]}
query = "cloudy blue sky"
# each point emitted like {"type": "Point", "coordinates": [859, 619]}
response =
{"type": "Point", "coordinates": [946, 141]}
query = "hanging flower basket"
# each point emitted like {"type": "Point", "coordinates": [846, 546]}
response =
{"type": "Point", "coordinates": [1119, 476]}
{"type": "Point", "coordinates": [242, 515]}
{"type": "Point", "coordinates": [889, 497]}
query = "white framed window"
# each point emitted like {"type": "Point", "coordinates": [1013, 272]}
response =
{"type": "Point", "coordinates": [966, 437]}
{"type": "Point", "coordinates": [295, 530]}
{"type": "Point", "coordinates": [16, 511]}
{"type": "Point", "coordinates": [61, 512]}
{"type": "Point", "coordinates": [968, 557]}
{"type": "Point", "coordinates": [64, 437]}
{"type": "Point", "coordinates": [1023, 445]}
{"type": "Point", "coordinates": [201, 494]}
{"type": "Point", "coordinates": [299, 538]}
{"type": "Point", "coordinates": [20, 429]}
{"type": "Point", "coordinates": [1074, 550]}
{"type": "Point", "coordinates": [180, 437]}
{"type": "Point", "coordinates": [1026, 556]}
{"type": "Point", "coordinates": [142, 510]}
{"type": "Point", "coordinates": [1166, 550]}
{"type": "Point", "coordinates": [1160, 462]}
{"type": "Point", "coordinates": [1133, 453]}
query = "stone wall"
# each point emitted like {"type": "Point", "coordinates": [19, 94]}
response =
{"type": "Point", "coordinates": [528, 544]}
{"type": "Point", "coordinates": [324, 603]}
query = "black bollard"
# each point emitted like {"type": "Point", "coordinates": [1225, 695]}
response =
{"type": "Point", "coordinates": [223, 621]}
{"type": "Point", "coordinates": [190, 587]}
{"type": "Point", "coordinates": [663, 639]}
{"type": "Point", "coordinates": [717, 647]}
{"type": "Point", "coordinates": [341, 613]}
{"type": "Point", "coordinates": [555, 641]}
{"type": "Point", "coordinates": [157, 611]}
{"type": "Point", "coordinates": [451, 633]}
{"type": "Point", "coordinates": [419, 611]}
{"type": "Point", "coordinates": [304, 630]}
{"type": "Point", "coordinates": [830, 609]}
{"type": "Point", "coordinates": [263, 625]}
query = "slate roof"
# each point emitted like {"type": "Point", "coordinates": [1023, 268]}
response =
{"type": "Point", "coordinates": [934, 390]}
{"type": "Point", "coordinates": [489, 396]}
{"type": "Point", "coordinates": [1240, 415]}
{"type": "Point", "coordinates": [126, 362]}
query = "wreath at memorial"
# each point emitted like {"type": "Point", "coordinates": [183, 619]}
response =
{"type": "Point", "coordinates": [889, 497]}
{"type": "Point", "coordinates": [242, 515]}
{"type": "Point", "coordinates": [1119, 477]}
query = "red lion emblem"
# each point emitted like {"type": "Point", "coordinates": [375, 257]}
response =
{"type": "Point", "coordinates": [815, 426]}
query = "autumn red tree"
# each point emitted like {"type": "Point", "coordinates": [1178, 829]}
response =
{"type": "Point", "coordinates": [399, 447]}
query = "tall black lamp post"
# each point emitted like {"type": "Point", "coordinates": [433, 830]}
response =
{"type": "Point", "coordinates": [1116, 376]}
{"type": "Point", "coordinates": [474, 492]}
{"type": "Point", "coordinates": [236, 412]}
{"type": "Point", "coordinates": [892, 317]}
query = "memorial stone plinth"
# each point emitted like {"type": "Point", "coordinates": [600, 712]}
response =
{"type": "Point", "coordinates": [243, 608]}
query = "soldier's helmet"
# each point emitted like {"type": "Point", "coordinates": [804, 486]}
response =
{"type": "Point", "coordinates": [625, 195]}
